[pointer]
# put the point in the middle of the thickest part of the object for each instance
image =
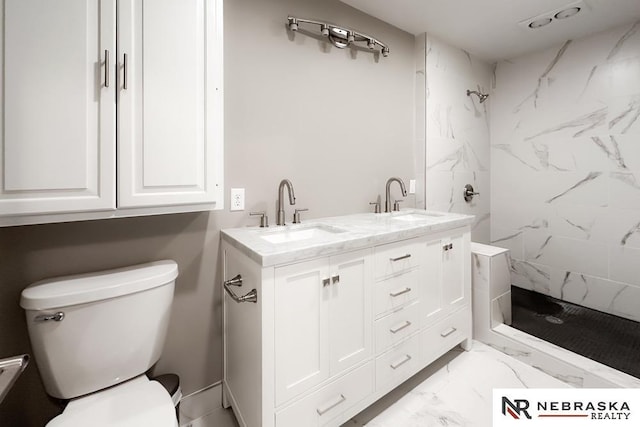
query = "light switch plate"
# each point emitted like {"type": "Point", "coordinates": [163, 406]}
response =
{"type": "Point", "coordinates": [237, 199]}
{"type": "Point", "coordinates": [412, 186]}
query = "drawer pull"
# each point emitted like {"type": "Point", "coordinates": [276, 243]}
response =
{"type": "Point", "coordinates": [400, 258]}
{"type": "Point", "coordinates": [400, 363]}
{"type": "Point", "coordinates": [397, 294]}
{"type": "Point", "coordinates": [447, 332]}
{"type": "Point", "coordinates": [336, 402]}
{"type": "Point", "coordinates": [106, 68]}
{"type": "Point", "coordinates": [406, 324]}
{"type": "Point", "coordinates": [125, 72]}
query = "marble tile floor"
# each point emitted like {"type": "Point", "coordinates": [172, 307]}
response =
{"type": "Point", "coordinates": [455, 390]}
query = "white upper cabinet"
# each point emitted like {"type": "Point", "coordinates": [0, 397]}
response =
{"type": "Point", "coordinates": [169, 103]}
{"type": "Point", "coordinates": [57, 135]}
{"type": "Point", "coordinates": [71, 101]}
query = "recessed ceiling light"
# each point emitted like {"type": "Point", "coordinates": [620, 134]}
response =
{"type": "Point", "coordinates": [539, 22]}
{"type": "Point", "coordinates": [567, 13]}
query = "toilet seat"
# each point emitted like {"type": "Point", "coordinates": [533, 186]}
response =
{"type": "Point", "coordinates": [138, 402]}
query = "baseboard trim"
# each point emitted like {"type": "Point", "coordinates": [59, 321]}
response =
{"type": "Point", "coordinates": [200, 403]}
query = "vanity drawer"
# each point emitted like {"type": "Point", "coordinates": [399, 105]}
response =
{"type": "Point", "coordinates": [397, 326]}
{"type": "Point", "coordinates": [396, 291]}
{"type": "Point", "coordinates": [397, 257]}
{"type": "Point", "coordinates": [446, 334]}
{"type": "Point", "coordinates": [329, 402]}
{"type": "Point", "coordinates": [399, 363]}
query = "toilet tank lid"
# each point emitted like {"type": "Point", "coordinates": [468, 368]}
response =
{"type": "Point", "coordinates": [96, 286]}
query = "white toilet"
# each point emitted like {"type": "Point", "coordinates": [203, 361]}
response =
{"type": "Point", "coordinates": [95, 335]}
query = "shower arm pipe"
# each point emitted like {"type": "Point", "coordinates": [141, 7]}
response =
{"type": "Point", "coordinates": [351, 36]}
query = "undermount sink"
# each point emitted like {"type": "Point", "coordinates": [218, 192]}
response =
{"type": "Point", "coordinates": [298, 233]}
{"type": "Point", "coordinates": [416, 216]}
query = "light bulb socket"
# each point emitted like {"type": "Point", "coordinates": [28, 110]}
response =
{"type": "Point", "coordinates": [567, 13]}
{"type": "Point", "coordinates": [540, 23]}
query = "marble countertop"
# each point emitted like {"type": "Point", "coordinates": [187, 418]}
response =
{"type": "Point", "coordinates": [339, 234]}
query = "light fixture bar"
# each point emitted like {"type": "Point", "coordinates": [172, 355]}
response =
{"type": "Point", "coordinates": [340, 37]}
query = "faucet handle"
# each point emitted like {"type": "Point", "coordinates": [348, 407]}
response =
{"type": "Point", "coordinates": [396, 205]}
{"type": "Point", "coordinates": [377, 204]}
{"type": "Point", "coordinates": [264, 220]}
{"type": "Point", "coordinates": [296, 215]}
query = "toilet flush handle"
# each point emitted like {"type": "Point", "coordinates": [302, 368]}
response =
{"type": "Point", "coordinates": [59, 316]}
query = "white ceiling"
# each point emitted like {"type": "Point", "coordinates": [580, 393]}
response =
{"type": "Point", "coordinates": [490, 29]}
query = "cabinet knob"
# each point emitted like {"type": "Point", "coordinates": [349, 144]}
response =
{"type": "Point", "coordinates": [447, 246]}
{"type": "Point", "coordinates": [326, 282]}
{"type": "Point", "coordinates": [335, 279]}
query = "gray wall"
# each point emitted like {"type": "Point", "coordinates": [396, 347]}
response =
{"type": "Point", "coordinates": [336, 124]}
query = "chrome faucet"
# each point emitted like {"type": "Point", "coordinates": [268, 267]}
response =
{"type": "Point", "coordinates": [387, 202]}
{"type": "Point", "coordinates": [292, 199]}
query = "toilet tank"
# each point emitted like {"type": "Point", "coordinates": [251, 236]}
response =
{"type": "Point", "coordinates": [103, 328]}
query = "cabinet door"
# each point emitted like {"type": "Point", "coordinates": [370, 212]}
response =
{"type": "Point", "coordinates": [455, 265]}
{"type": "Point", "coordinates": [447, 279]}
{"type": "Point", "coordinates": [350, 319]}
{"type": "Point", "coordinates": [169, 100]}
{"type": "Point", "coordinates": [432, 302]}
{"type": "Point", "coordinates": [57, 139]}
{"type": "Point", "coordinates": [302, 293]}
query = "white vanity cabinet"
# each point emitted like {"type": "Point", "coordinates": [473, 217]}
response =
{"type": "Point", "coordinates": [330, 335]}
{"type": "Point", "coordinates": [109, 107]}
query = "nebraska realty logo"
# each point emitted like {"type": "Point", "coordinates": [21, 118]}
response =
{"type": "Point", "coordinates": [566, 407]}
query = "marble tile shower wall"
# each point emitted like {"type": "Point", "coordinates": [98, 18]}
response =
{"type": "Point", "coordinates": [456, 129]}
{"type": "Point", "coordinates": [565, 159]}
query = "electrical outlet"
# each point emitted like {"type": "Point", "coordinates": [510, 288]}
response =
{"type": "Point", "coordinates": [412, 186]}
{"type": "Point", "coordinates": [237, 199]}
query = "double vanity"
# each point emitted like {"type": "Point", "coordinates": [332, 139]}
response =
{"type": "Point", "coordinates": [323, 318]}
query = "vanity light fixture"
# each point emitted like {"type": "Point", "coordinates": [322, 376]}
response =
{"type": "Point", "coordinates": [340, 37]}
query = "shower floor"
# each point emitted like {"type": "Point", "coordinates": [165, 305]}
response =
{"type": "Point", "coordinates": [608, 339]}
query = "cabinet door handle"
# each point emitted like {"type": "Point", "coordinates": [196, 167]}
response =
{"type": "Point", "coordinates": [125, 67]}
{"type": "Point", "coordinates": [331, 405]}
{"type": "Point", "coordinates": [400, 258]}
{"type": "Point", "coordinates": [335, 279]}
{"type": "Point", "coordinates": [447, 332]}
{"type": "Point", "coordinates": [397, 294]}
{"type": "Point", "coordinates": [106, 68]}
{"type": "Point", "coordinates": [326, 282]}
{"type": "Point", "coordinates": [397, 329]}
{"type": "Point", "coordinates": [400, 363]}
